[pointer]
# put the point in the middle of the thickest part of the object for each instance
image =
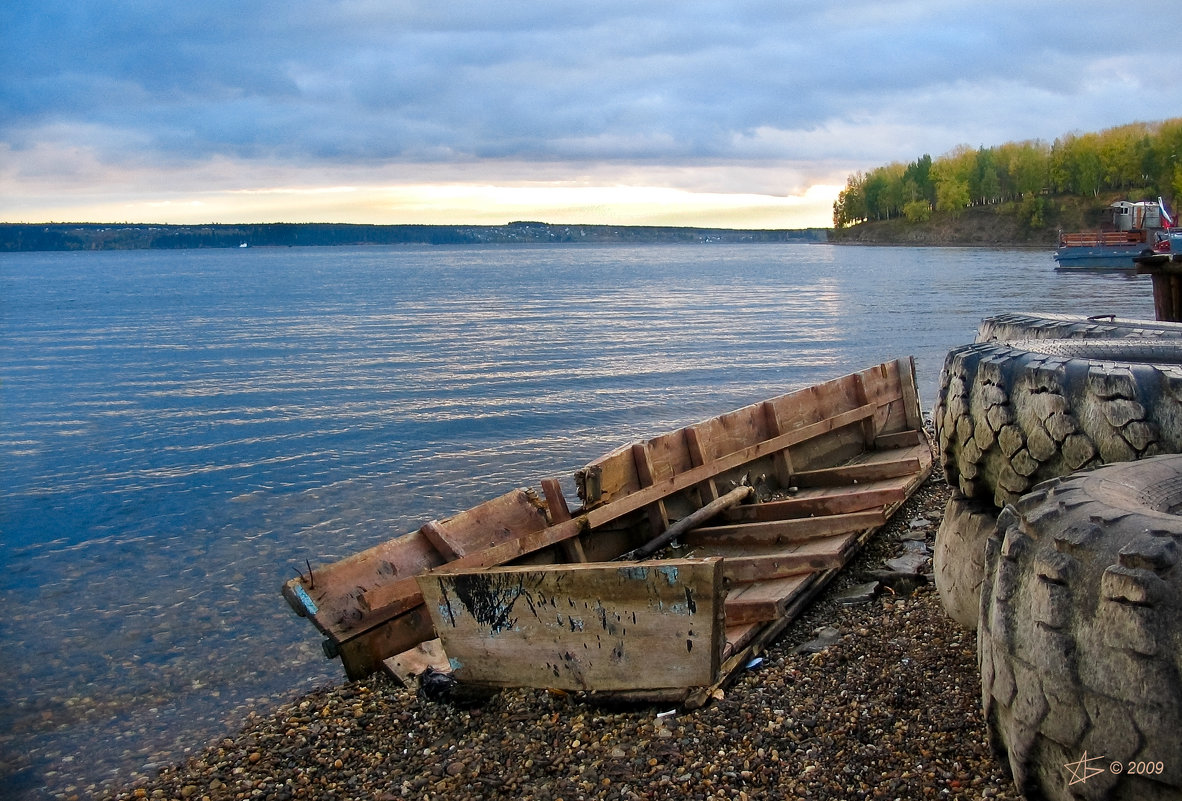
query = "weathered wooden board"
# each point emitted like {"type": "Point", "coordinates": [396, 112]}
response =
{"type": "Point", "coordinates": [762, 602]}
{"type": "Point", "coordinates": [363, 653]}
{"type": "Point", "coordinates": [832, 476]}
{"type": "Point", "coordinates": [510, 516]}
{"type": "Point", "coordinates": [782, 532]}
{"type": "Point", "coordinates": [600, 626]}
{"type": "Point", "coordinates": [832, 501]}
{"type": "Point", "coordinates": [409, 664]}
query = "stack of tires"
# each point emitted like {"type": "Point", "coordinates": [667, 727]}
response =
{"type": "Point", "coordinates": [1061, 545]}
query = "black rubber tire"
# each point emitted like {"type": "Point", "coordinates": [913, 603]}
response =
{"type": "Point", "coordinates": [1009, 415]}
{"type": "Point", "coordinates": [1080, 635]}
{"type": "Point", "coordinates": [958, 559]}
{"type": "Point", "coordinates": [1013, 327]}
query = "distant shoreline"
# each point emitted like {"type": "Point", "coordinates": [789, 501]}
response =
{"type": "Point", "coordinates": [30, 237]}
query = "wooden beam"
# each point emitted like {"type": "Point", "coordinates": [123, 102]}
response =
{"type": "Point", "coordinates": [764, 602]}
{"type": "Point", "coordinates": [699, 456]}
{"type": "Point", "coordinates": [872, 471]}
{"type": "Point", "coordinates": [835, 501]}
{"type": "Point", "coordinates": [555, 500]}
{"type": "Point", "coordinates": [768, 566]}
{"type": "Point", "coordinates": [572, 549]}
{"type": "Point", "coordinates": [657, 515]}
{"type": "Point", "coordinates": [869, 425]}
{"type": "Point", "coordinates": [782, 461]}
{"type": "Point", "coordinates": [910, 391]}
{"type": "Point", "coordinates": [783, 532]}
{"type": "Point", "coordinates": [902, 439]}
{"type": "Point", "coordinates": [362, 654]}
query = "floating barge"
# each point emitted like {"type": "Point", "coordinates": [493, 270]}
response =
{"type": "Point", "coordinates": [752, 513]}
{"type": "Point", "coordinates": [1137, 232]}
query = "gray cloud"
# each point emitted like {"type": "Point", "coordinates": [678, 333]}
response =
{"type": "Point", "coordinates": [358, 82]}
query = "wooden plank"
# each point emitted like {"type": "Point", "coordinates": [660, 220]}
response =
{"type": "Point", "coordinates": [657, 515]}
{"type": "Point", "coordinates": [825, 554]}
{"type": "Point", "coordinates": [782, 461]}
{"type": "Point", "coordinates": [733, 431]}
{"type": "Point", "coordinates": [363, 654]}
{"type": "Point", "coordinates": [782, 532]}
{"type": "Point", "coordinates": [910, 389]}
{"type": "Point", "coordinates": [901, 439]}
{"type": "Point", "coordinates": [668, 454]}
{"type": "Point", "coordinates": [699, 455]}
{"type": "Point", "coordinates": [602, 626]}
{"type": "Point", "coordinates": [572, 549]}
{"type": "Point", "coordinates": [409, 664]}
{"type": "Point", "coordinates": [555, 500]}
{"type": "Point", "coordinates": [763, 602]}
{"type": "Point", "coordinates": [832, 501]}
{"type": "Point", "coordinates": [491, 523]}
{"type": "Point", "coordinates": [872, 471]}
{"type": "Point", "coordinates": [609, 477]}
{"type": "Point", "coordinates": [869, 425]}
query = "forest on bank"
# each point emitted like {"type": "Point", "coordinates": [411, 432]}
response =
{"type": "Point", "coordinates": [1021, 179]}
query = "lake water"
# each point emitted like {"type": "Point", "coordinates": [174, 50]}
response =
{"type": "Point", "coordinates": [182, 430]}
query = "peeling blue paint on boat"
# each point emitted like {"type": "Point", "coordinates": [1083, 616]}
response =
{"type": "Point", "coordinates": [305, 599]}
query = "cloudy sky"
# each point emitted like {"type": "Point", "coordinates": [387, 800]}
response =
{"type": "Point", "coordinates": [744, 114]}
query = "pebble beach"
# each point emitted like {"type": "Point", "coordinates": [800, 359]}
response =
{"type": "Point", "coordinates": [889, 709]}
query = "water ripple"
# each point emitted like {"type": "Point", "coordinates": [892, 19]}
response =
{"type": "Point", "coordinates": [183, 430]}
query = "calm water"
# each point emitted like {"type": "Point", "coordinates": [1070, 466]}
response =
{"type": "Point", "coordinates": [180, 431]}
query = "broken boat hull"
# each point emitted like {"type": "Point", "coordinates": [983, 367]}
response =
{"type": "Point", "coordinates": [819, 470]}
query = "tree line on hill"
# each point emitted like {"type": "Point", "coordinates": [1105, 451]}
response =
{"type": "Point", "coordinates": [96, 236]}
{"type": "Point", "coordinates": [1145, 158]}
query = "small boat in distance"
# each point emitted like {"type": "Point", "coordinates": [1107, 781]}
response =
{"type": "Point", "coordinates": [1135, 232]}
{"type": "Point", "coordinates": [244, 245]}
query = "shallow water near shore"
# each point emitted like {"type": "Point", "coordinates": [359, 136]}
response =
{"type": "Point", "coordinates": [183, 431]}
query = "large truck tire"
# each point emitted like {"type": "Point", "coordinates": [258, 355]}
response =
{"type": "Point", "coordinates": [1080, 635]}
{"type": "Point", "coordinates": [1014, 327]}
{"type": "Point", "coordinates": [958, 559]}
{"type": "Point", "coordinates": [1010, 415]}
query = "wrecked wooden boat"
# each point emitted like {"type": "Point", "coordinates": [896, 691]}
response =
{"type": "Point", "coordinates": [752, 512]}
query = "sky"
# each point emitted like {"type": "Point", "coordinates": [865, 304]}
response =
{"type": "Point", "coordinates": [642, 112]}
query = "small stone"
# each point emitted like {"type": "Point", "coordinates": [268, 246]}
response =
{"type": "Point", "coordinates": [857, 594]}
{"type": "Point", "coordinates": [825, 636]}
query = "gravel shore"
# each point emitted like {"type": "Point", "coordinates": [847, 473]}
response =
{"type": "Point", "coordinates": [889, 710]}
